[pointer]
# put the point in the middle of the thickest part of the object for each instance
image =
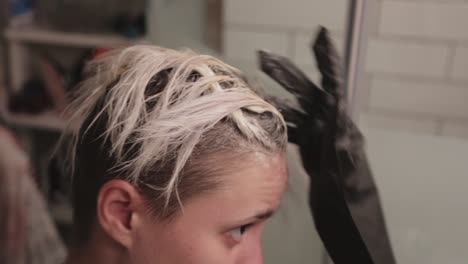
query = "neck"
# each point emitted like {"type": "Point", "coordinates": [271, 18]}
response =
{"type": "Point", "coordinates": [97, 251]}
{"type": "Point", "coordinates": [78, 256]}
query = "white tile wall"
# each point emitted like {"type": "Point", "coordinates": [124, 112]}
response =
{"type": "Point", "coordinates": [244, 45]}
{"type": "Point", "coordinates": [398, 123]}
{"type": "Point", "coordinates": [281, 13]}
{"type": "Point", "coordinates": [362, 94]}
{"type": "Point", "coordinates": [303, 54]}
{"type": "Point", "coordinates": [423, 185]}
{"type": "Point", "coordinates": [423, 98]}
{"type": "Point", "coordinates": [435, 19]}
{"type": "Point", "coordinates": [290, 236]}
{"type": "Point", "coordinates": [455, 130]}
{"type": "Point", "coordinates": [410, 40]}
{"type": "Point", "coordinates": [302, 47]}
{"type": "Point", "coordinates": [312, 72]}
{"type": "Point", "coordinates": [460, 64]}
{"type": "Point", "coordinates": [2, 69]}
{"type": "Point", "coordinates": [407, 58]}
{"type": "Point", "coordinates": [373, 19]}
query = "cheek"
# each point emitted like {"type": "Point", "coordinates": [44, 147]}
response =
{"type": "Point", "coordinates": [180, 243]}
{"type": "Point", "coordinates": [250, 249]}
{"type": "Point", "coordinates": [176, 247]}
{"type": "Point", "coordinates": [147, 244]}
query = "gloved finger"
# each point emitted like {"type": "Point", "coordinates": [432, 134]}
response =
{"type": "Point", "coordinates": [294, 135]}
{"type": "Point", "coordinates": [291, 114]}
{"type": "Point", "coordinates": [329, 64]}
{"type": "Point", "coordinates": [283, 71]}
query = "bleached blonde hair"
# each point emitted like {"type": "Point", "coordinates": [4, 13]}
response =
{"type": "Point", "coordinates": [157, 104]}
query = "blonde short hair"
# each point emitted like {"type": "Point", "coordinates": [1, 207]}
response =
{"type": "Point", "coordinates": [150, 110]}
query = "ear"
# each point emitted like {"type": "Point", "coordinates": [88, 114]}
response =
{"type": "Point", "coordinates": [117, 205]}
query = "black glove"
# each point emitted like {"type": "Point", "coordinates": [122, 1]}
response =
{"type": "Point", "coordinates": [343, 197]}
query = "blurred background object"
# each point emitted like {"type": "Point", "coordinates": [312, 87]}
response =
{"type": "Point", "coordinates": [90, 16]}
{"type": "Point", "coordinates": [411, 98]}
{"type": "Point", "coordinates": [27, 232]}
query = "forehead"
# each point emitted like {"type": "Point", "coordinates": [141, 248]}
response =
{"type": "Point", "coordinates": [259, 177]}
{"type": "Point", "coordinates": [256, 185]}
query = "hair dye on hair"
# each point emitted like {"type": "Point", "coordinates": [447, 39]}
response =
{"type": "Point", "coordinates": [162, 120]}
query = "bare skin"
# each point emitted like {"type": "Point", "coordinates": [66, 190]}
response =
{"type": "Point", "coordinates": [224, 226]}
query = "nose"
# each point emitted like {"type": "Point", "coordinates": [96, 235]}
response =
{"type": "Point", "coordinates": [253, 254]}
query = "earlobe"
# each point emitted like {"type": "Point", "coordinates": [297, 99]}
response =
{"type": "Point", "coordinates": [116, 207]}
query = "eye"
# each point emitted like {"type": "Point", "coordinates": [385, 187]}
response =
{"type": "Point", "coordinates": [236, 234]}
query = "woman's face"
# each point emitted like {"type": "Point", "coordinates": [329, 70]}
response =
{"type": "Point", "coordinates": [224, 226]}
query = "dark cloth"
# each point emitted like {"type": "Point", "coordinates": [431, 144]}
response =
{"type": "Point", "coordinates": [27, 233]}
{"type": "Point", "coordinates": [343, 197]}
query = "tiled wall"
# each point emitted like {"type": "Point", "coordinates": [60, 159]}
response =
{"type": "Point", "coordinates": [417, 57]}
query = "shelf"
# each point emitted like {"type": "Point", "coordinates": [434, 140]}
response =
{"type": "Point", "coordinates": [47, 36]}
{"type": "Point", "coordinates": [46, 120]}
{"type": "Point", "coordinates": [61, 213]}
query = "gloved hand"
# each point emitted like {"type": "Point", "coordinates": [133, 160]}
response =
{"type": "Point", "coordinates": [343, 197]}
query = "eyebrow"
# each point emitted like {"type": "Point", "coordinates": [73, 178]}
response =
{"type": "Point", "coordinates": [265, 215]}
{"type": "Point", "coordinates": [261, 216]}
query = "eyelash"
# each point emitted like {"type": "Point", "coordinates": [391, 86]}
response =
{"type": "Point", "coordinates": [242, 229]}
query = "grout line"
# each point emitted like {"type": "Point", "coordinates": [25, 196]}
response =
{"type": "Point", "coordinates": [379, 19]}
{"type": "Point", "coordinates": [424, 40]}
{"type": "Point", "coordinates": [392, 116]}
{"type": "Point", "coordinates": [419, 39]}
{"type": "Point", "coordinates": [367, 104]}
{"type": "Point", "coordinates": [429, 1]}
{"type": "Point", "coordinates": [450, 61]}
{"type": "Point", "coordinates": [439, 127]}
{"type": "Point", "coordinates": [417, 115]}
{"type": "Point", "coordinates": [396, 114]}
{"type": "Point", "coordinates": [419, 78]}
{"type": "Point", "coordinates": [252, 27]}
{"type": "Point", "coordinates": [291, 46]}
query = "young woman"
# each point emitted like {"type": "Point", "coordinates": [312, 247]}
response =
{"type": "Point", "coordinates": [176, 160]}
